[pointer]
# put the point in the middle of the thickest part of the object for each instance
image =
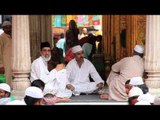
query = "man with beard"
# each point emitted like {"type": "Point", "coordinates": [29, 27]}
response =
{"type": "Point", "coordinates": [78, 71]}
{"type": "Point", "coordinates": [56, 79]}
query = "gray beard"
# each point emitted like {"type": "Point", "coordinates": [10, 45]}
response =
{"type": "Point", "coordinates": [46, 59]}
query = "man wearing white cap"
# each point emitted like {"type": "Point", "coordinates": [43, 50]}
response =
{"type": "Point", "coordinates": [124, 70]}
{"type": "Point", "coordinates": [33, 96]}
{"type": "Point", "coordinates": [55, 79]}
{"type": "Point", "coordinates": [78, 71]}
{"type": "Point", "coordinates": [6, 50]}
{"type": "Point", "coordinates": [134, 93]}
{"type": "Point", "coordinates": [136, 81]}
{"type": "Point", "coordinates": [5, 94]}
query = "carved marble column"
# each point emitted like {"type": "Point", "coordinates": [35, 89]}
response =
{"type": "Point", "coordinates": [21, 60]}
{"type": "Point", "coordinates": [152, 56]}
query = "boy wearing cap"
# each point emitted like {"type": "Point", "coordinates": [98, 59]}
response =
{"type": "Point", "coordinates": [6, 50]}
{"type": "Point", "coordinates": [124, 70]}
{"type": "Point", "coordinates": [134, 93]}
{"type": "Point", "coordinates": [78, 71]}
{"type": "Point", "coordinates": [5, 94]}
{"type": "Point", "coordinates": [33, 96]}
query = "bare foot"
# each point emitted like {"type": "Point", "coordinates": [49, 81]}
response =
{"type": "Point", "coordinates": [104, 96]}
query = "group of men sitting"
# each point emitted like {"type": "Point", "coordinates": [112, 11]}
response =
{"type": "Point", "coordinates": [73, 79]}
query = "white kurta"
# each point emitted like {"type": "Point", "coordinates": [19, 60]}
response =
{"type": "Point", "coordinates": [127, 67]}
{"type": "Point", "coordinates": [55, 82]}
{"type": "Point", "coordinates": [79, 76]}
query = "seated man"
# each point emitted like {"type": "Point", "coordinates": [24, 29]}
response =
{"type": "Point", "coordinates": [56, 78]}
{"type": "Point", "coordinates": [78, 71]}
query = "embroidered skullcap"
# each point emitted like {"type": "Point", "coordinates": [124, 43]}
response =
{"type": "Point", "coordinates": [34, 92]}
{"type": "Point", "coordinates": [139, 49]}
{"type": "Point", "coordinates": [136, 81]}
{"type": "Point", "coordinates": [5, 87]}
{"type": "Point", "coordinates": [76, 49]}
{"type": "Point", "coordinates": [135, 91]}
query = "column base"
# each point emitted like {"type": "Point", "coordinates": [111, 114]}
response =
{"type": "Point", "coordinates": [19, 95]}
{"type": "Point", "coordinates": [154, 92]}
{"type": "Point", "coordinates": [20, 84]}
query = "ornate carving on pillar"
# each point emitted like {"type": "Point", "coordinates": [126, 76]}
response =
{"type": "Point", "coordinates": [152, 56]}
{"type": "Point", "coordinates": [20, 53]}
{"type": "Point", "coordinates": [136, 26]}
{"type": "Point", "coordinates": [35, 38]}
{"type": "Point", "coordinates": [106, 21]}
{"type": "Point", "coordinates": [40, 27]}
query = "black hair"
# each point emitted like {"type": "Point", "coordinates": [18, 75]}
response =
{"type": "Point", "coordinates": [127, 82]}
{"type": "Point", "coordinates": [144, 88]}
{"type": "Point", "coordinates": [140, 54]}
{"type": "Point", "coordinates": [31, 101]}
{"type": "Point", "coordinates": [45, 44]}
{"type": "Point", "coordinates": [38, 83]}
{"type": "Point", "coordinates": [7, 93]}
{"type": "Point", "coordinates": [62, 35]}
{"type": "Point", "coordinates": [99, 38]}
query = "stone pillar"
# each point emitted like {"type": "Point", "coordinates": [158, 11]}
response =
{"type": "Point", "coordinates": [21, 60]}
{"type": "Point", "coordinates": [152, 56]}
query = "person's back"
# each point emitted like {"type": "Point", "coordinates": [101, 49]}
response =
{"type": "Point", "coordinates": [72, 33]}
{"type": "Point", "coordinates": [87, 48]}
{"type": "Point", "coordinates": [128, 67]}
{"type": "Point", "coordinates": [124, 70]}
{"type": "Point", "coordinates": [62, 44]}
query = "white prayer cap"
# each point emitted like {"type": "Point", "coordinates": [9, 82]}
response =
{"type": "Point", "coordinates": [34, 92]}
{"type": "Point", "coordinates": [142, 103]}
{"type": "Point", "coordinates": [135, 91]}
{"type": "Point", "coordinates": [5, 87]}
{"type": "Point", "coordinates": [139, 49]}
{"type": "Point", "coordinates": [76, 48]}
{"type": "Point", "coordinates": [146, 97]}
{"type": "Point", "coordinates": [136, 81]}
{"type": "Point", "coordinates": [5, 23]}
{"type": "Point", "coordinates": [16, 102]}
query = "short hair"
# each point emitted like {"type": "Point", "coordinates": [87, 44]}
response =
{"type": "Point", "coordinates": [31, 101]}
{"type": "Point", "coordinates": [45, 44]}
{"type": "Point", "coordinates": [38, 83]}
{"type": "Point", "coordinates": [62, 35]}
{"type": "Point", "coordinates": [127, 82]}
{"type": "Point", "coordinates": [136, 53]}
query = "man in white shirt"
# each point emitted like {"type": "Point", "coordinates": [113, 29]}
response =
{"type": "Point", "coordinates": [54, 80]}
{"type": "Point", "coordinates": [78, 71]}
